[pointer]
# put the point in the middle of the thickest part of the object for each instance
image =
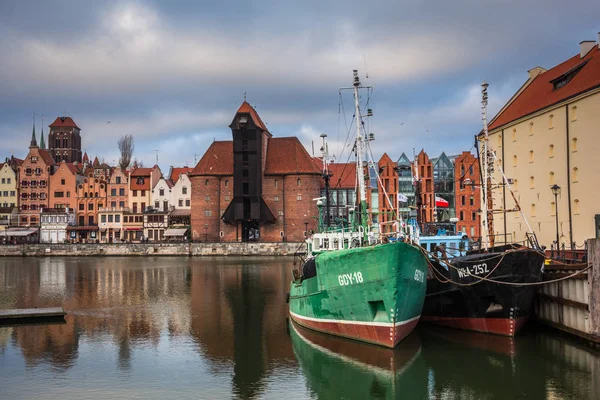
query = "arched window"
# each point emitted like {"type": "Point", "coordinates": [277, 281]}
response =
{"type": "Point", "coordinates": [514, 161]}
{"type": "Point", "coordinates": [298, 182]}
{"type": "Point", "coordinates": [206, 182]}
{"type": "Point", "coordinates": [551, 178]}
{"type": "Point", "coordinates": [226, 182]}
{"type": "Point", "coordinates": [530, 156]}
{"type": "Point", "coordinates": [551, 150]}
{"type": "Point", "coordinates": [276, 183]}
{"type": "Point", "coordinates": [514, 134]}
{"type": "Point", "coordinates": [574, 144]}
{"type": "Point", "coordinates": [551, 121]}
{"type": "Point", "coordinates": [576, 206]}
{"type": "Point", "coordinates": [575, 177]}
{"type": "Point", "coordinates": [531, 182]}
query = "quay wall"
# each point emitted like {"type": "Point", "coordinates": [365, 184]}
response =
{"type": "Point", "coordinates": [573, 305]}
{"type": "Point", "coordinates": [154, 249]}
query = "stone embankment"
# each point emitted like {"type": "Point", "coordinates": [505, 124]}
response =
{"type": "Point", "coordinates": [154, 249]}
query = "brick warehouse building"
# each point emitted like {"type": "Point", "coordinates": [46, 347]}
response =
{"type": "Point", "coordinates": [255, 187]}
{"type": "Point", "coordinates": [468, 202]}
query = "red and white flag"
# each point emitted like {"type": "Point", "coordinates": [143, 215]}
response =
{"type": "Point", "coordinates": [439, 202]}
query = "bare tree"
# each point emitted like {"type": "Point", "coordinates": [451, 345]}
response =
{"type": "Point", "coordinates": [126, 147]}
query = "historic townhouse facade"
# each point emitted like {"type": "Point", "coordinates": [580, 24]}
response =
{"type": "Point", "coordinates": [34, 176]}
{"type": "Point", "coordinates": [8, 186]}
{"type": "Point", "coordinates": [547, 135]}
{"type": "Point", "coordinates": [91, 197]}
{"type": "Point", "coordinates": [254, 188]}
{"type": "Point", "coordinates": [388, 193]}
{"type": "Point", "coordinates": [141, 182]}
{"type": "Point", "coordinates": [63, 185]}
{"type": "Point", "coordinates": [161, 195]}
{"type": "Point", "coordinates": [468, 201]}
{"type": "Point", "coordinates": [181, 192]}
{"type": "Point", "coordinates": [118, 189]}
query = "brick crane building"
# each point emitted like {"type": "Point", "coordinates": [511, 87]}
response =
{"type": "Point", "coordinates": [255, 187]}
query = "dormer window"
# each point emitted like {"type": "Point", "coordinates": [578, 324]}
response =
{"type": "Point", "coordinates": [565, 78]}
{"type": "Point", "coordinates": [140, 180]}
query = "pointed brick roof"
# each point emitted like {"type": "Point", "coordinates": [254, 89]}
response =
{"type": "Point", "coordinates": [66, 122]}
{"type": "Point", "coordinates": [247, 108]}
{"type": "Point", "coordinates": [286, 155]}
{"type": "Point", "coordinates": [218, 159]}
{"type": "Point", "coordinates": [86, 159]}
{"type": "Point", "coordinates": [96, 163]}
{"type": "Point", "coordinates": [540, 93]}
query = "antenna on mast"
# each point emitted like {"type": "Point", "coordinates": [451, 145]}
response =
{"type": "Point", "coordinates": [156, 151]}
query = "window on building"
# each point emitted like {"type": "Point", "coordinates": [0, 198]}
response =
{"type": "Point", "coordinates": [13, 193]}
{"type": "Point", "coordinates": [531, 129]}
{"type": "Point", "coordinates": [180, 203]}
{"type": "Point", "coordinates": [90, 220]}
{"type": "Point", "coordinates": [276, 183]}
{"type": "Point", "coordinates": [143, 207]}
{"type": "Point", "coordinates": [110, 218]}
{"type": "Point", "coordinates": [514, 161]}
{"type": "Point", "coordinates": [280, 213]}
{"type": "Point", "coordinates": [113, 204]}
{"type": "Point", "coordinates": [81, 206]}
{"type": "Point", "coordinates": [59, 194]}
{"type": "Point", "coordinates": [530, 156]}
{"type": "Point", "coordinates": [135, 193]}
{"type": "Point", "coordinates": [187, 202]}
{"type": "Point", "coordinates": [226, 182]}
{"type": "Point", "coordinates": [551, 151]}
{"type": "Point", "coordinates": [471, 200]}
{"type": "Point", "coordinates": [161, 192]}
{"type": "Point", "coordinates": [531, 182]}
{"type": "Point", "coordinates": [117, 218]}
{"type": "Point", "coordinates": [207, 213]}
{"type": "Point", "coordinates": [90, 206]}
{"type": "Point", "coordinates": [157, 205]}
{"type": "Point", "coordinates": [574, 144]}
{"type": "Point", "coordinates": [184, 190]}
{"type": "Point", "coordinates": [103, 218]}
{"type": "Point", "coordinates": [473, 216]}
{"type": "Point", "coordinates": [227, 197]}
{"type": "Point", "coordinates": [113, 191]}
{"type": "Point", "coordinates": [462, 216]}
{"type": "Point", "coordinates": [8, 180]}
{"type": "Point", "coordinates": [143, 193]}
{"type": "Point", "coordinates": [299, 197]}
{"type": "Point", "coordinates": [206, 182]}
{"type": "Point", "coordinates": [3, 180]}
{"type": "Point", "coordinates": [551, 121]}
{"type": "Point", "coordinates": [575, 176]}
{"type": "Point", "coordinates": [276, 198]}
{"type": "Point", "coordinates": [118, 179]}
{"type": "Point", "coordinates": [514, 135]}
{"type": "Point", "coordinates": [298, 182]}
{"type": "Point", "coordinates": [121, 192]}
{"type": "Point", "coordinates": [462, 200]}
{"type": "Point", "coordinates": [62, 181]}
{"type": "Point", "coordinates": [121, 204]}
{"type": "Point", "coordinates": [206, 197]}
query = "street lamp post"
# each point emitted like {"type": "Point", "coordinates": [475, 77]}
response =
{"type": "Point", "coordinates": [556, 191]}
{"type": "Point", "coordinates": [206, 232]}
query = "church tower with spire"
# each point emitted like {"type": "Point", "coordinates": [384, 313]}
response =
{"type": "Point", "coordinates": [64, 140]}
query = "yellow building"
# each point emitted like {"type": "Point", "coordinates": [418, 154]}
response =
{"type": "Point", "coordinates": [546, 135]}
{"type": "Point", "coordinates": [8, 186]}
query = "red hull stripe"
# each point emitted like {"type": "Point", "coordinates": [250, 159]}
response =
{"type": "Point", "coordinates": [383, 334]}
{"type": "Point", "coordinates": [498, 326]}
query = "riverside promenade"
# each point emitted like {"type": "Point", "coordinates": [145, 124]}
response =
{"type": "Point", "coordinates": [154, 249]}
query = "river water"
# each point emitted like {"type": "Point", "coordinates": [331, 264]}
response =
{"type": "Point", "coordinates": [213, 328]}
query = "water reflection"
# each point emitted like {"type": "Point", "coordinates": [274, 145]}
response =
{"type": "Point", "coordinates": [341, 368]}
{"type": "Point", "coordinates": [213, 328]}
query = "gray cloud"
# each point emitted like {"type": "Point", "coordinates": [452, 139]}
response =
{"type": "Point", "coordinates": [173, 73]}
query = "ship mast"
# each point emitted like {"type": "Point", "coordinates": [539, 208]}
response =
{"type": "Point", "coordinates": [361, 164]}
{"type": "Point", "coordinates": [326, 175]}
{"type": "Point", "coordinates": [488, 166]}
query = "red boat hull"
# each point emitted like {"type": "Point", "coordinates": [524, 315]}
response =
{"type": "Point", "coordinates": [383, 334]}
{"type": "Point", "coordinates": [498, 326]}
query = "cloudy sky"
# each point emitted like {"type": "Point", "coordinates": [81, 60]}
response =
{"type": "Point", "coordinates": [173, 73]}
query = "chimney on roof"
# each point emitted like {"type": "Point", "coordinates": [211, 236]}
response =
{"type": "Point", "coordinates": [533, 72]}
{"type": "Point", "coordinates": [585, 47]}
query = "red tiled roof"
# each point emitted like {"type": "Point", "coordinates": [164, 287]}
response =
{"type": "Point", "coordinates": [287, 156]}
{"type": "Point", "coordinates": [46, 156]}
{"type": "Point", "coordinates": [247, 108]}
{"type": "Point", "coordinates": [64, 122]}
{"type": "Point", "coordinates": [177, 171]}
{"type": "Point", "coordinates": [73, 168]}
{"type": "Point", "coordinates": [541, 93]}
{"type": "Point", "coordinates": [141, 172]}
{"type": "Point", "coordinates": [343, 176]}
{"type": "Point", "coordinates": [218, 160]}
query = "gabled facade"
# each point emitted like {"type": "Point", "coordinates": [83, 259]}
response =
{"type": "Point", "coordinates": [64, 140]}
{"type": "Point", "coordinates": [425, 199]}
{"type": "Point", "coordinates": [547, 134]}
{"type": "Point", "coordinates": [34, 176]}
{"type": "Point", "coordinates": [254, 188]}
{"type": "Point", "coordinates": [91, 196]}
{"type": "Point", "coordinates": [468, 201]}
{"type": "Point", "coordinates": [388, 205]}
{"type": "Point", "coordinates": [141, 182]}
{"type": "Point", "coordinates": [406, 187]}
{"type": "Point", "coordinates": [181, 192]}
{"type": "Point", "coordinates": [8, 186]}
{"type": "Point", "coordinates": [161, 195]}
{"type": "Point", "coordinates": [118, 189]}
{"type": "Point", "coordinates": [63, 186]}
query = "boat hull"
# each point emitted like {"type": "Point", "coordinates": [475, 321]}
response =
{"type": "Point", "coordinates": [479, 305]}
{"type": "Point", "coordinates": [372, 294]}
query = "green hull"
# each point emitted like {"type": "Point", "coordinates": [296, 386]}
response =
{"type": "Point", "coordinates": [373, 294]}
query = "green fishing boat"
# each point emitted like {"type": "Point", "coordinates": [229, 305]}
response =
{"type": "Point", "coordinates": [358, 282]}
